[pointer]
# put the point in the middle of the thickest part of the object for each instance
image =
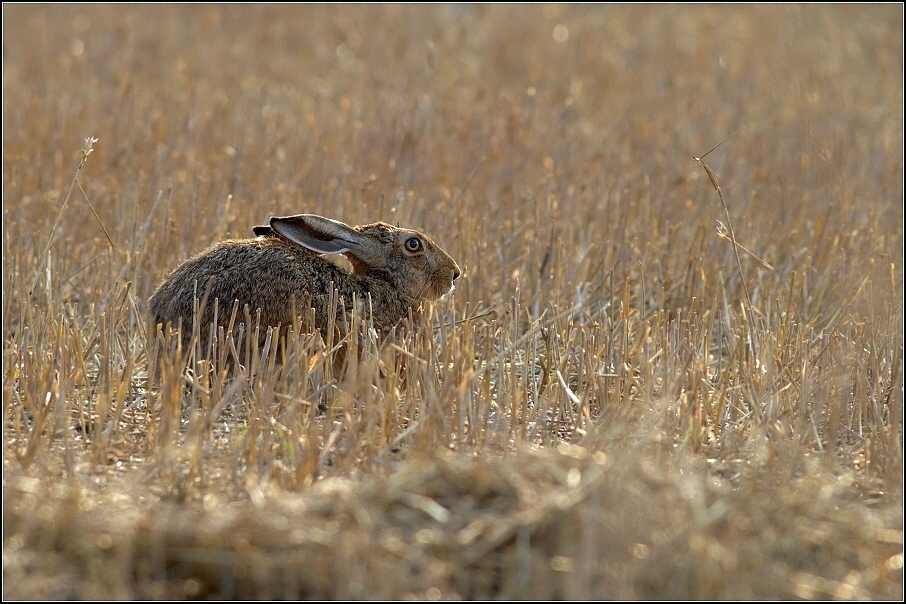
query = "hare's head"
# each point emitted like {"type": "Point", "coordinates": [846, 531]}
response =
{"type": "Point", "coordinates": [412, 263]}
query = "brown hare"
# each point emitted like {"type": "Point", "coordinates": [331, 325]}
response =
{"type": "Point", "coordinates": [283, 268]}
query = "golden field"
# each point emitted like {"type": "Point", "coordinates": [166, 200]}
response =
{"type": "Point", "coordinates": [613, 404]}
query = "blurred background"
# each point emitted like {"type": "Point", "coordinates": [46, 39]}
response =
{"type": "Point", "coordinates": [631, 412]}
{"type": "Point", "coordinates": [497, 129]}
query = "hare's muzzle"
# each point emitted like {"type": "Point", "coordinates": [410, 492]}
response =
{"type": "Point", "coordinates": [449, 283]}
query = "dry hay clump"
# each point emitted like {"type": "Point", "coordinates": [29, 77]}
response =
{"type": "Point", "coordinates": [642, 387]}
{"type": "Point", "coordinates": [564, 524]}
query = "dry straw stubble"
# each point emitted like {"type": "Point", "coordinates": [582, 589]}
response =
{"type": "Point", "coordinates": [598, 412]}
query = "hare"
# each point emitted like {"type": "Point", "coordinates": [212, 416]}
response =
{"type": "Point", "coordinates": [283, 268]}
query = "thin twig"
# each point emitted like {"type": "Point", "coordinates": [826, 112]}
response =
{"type": "Point", "coordinates": [86, 151]}
{"type": "Point", "coordinates": [472, 318]}
{"type": "Point", "coordinates": [723, 233]}
{"type": "Point", "coordinates": [98, 218]}
{"type": "Point", "coordinates": [714, 178]}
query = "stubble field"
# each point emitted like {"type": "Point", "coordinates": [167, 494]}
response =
{"type": "Point", "coordinates": [613, 403]}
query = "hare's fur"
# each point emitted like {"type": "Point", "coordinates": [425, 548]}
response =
{"type": "Point", "coordinates": [396, 269]}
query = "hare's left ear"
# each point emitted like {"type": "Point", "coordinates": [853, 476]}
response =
{"type": "Point", "coordinates": [325, 236]}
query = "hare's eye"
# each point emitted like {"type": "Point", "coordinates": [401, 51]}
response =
{"type": "Point", "coordinates": [414, 244]}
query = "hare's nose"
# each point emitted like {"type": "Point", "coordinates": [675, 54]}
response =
{"type": "Point", "coordinates": [456, 274]}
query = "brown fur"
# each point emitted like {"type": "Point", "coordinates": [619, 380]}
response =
{"type": "Point", "coordinates": [273, 271]}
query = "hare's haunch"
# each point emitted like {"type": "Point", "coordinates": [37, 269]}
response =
{"type": "Point", "coordinates": [283, 268]}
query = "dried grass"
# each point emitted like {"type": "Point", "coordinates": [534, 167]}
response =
{"type": "Point", "coordinates": [613, 405]}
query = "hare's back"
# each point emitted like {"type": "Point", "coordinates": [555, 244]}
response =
{"type": "Point", "coordinates": [264, 273]}
{"type": "Point", "coordinates": [260, 273]}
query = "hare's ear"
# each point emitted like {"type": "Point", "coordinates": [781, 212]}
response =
{"type": "Point", "coordinates": [262, 230]}
{"type": "Point", "coordinates": [325, 236]}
